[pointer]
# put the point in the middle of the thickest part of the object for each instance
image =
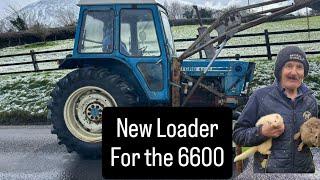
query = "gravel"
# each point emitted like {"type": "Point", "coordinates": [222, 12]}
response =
{"type": "Point", "coordinates": [248, 172]}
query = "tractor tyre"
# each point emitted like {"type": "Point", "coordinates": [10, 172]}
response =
{"type": "Point", "coordinates": [76, 105]}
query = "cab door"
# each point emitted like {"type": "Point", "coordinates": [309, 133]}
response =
{"type": "Point", "coordinates": [141, 43]}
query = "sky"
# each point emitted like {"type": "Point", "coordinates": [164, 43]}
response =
{"type": "Point", "coordinates": [216, 4]}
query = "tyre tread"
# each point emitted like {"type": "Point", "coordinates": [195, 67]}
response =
{"type": "Point", "coordinates": [57, 102]}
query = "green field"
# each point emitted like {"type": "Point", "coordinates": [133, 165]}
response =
{"type": "Point", "coordinates": [27, 94]}
{"type": "Point", "coordinates": [296, 24]}
{"type": "Point", "coordinates": [301, 23]}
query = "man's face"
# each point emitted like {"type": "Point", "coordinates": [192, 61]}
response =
{"type": "Point", "coordinates": [292, 75]}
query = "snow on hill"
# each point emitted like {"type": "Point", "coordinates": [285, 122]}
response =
{"type": "Point", "coordinates": [52, 13]}
{"type": "Point", "coordinates": [55, 13]}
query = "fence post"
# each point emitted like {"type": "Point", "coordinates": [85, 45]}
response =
{"type": "Point", "coordinates": [266, 35]}
{"type": "Point", "coordinates": [34, 61]}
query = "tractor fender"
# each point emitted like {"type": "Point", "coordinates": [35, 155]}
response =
{"type": "Point", "coordinates": [115, 65]}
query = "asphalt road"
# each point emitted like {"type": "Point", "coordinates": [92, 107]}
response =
{"type": "Point", "coordinates": [32, 152]}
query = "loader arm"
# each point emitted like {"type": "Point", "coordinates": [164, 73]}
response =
{"type": "Point", "coordinates": [229, 23]}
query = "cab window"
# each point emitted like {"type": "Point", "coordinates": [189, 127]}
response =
{"type": "Point", "coordinates": [97, 32]}
{"type": "Point", "coordinates": [138, 33]}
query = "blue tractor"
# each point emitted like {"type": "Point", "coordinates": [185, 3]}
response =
{"type": "Point", "coordinates": [124, 55]}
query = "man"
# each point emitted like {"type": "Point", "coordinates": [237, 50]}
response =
{"type": "Point", "coordinates": [107, 42]}
{"type": "Point", "coordinates": [289, 97]}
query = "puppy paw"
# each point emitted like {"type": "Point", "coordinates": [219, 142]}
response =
{"type": "Point", "coordinates": [264, 163]}
{"type": "Point", "coordinates": [296, 136]}
{"type": "Point", "coordinates": [300, 146]}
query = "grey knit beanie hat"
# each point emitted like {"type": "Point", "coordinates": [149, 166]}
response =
{"type": "Point", "coordinates": [290, 53]}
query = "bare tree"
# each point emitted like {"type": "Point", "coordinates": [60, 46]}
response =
{"type": "Point", "coordinates": [175, 9]}
{"type": "Point", "coordinates": [66, 17]}
{"type": "Point", "coordinates": [2, 26]}
{"type": "Point", "coordinates": [17, 19]}
{"type": "Point", "coordinates": [166, 5]}
{"type": "Point", "coordinates": [41, 30]}
{"type": "Point", "coordinates": [188, 11]}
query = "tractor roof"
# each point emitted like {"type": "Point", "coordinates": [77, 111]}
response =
{"type": "Point", "coordinates": [100, 2]}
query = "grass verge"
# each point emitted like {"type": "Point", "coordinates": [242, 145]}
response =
{"type": "Point", "coordinates": [39, 45]}
{"type": "Point", "coordinates": [19, 117]}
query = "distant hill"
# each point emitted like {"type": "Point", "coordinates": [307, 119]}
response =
{"type": "Point", "coordinates": [52, 13]}
{"type": "Point", "coordinates": [57, 13]}
{"type": "Point", "coordinates": [60, 13]}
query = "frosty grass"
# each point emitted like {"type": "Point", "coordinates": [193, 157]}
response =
{"type": "Point", "coordinates": [30, 92]}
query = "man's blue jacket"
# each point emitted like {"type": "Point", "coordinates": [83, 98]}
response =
{"type": "Point", "coordinates": [284, 158]}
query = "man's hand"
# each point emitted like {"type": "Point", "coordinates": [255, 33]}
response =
{"type": "Point", "coordinates": [273, 132]}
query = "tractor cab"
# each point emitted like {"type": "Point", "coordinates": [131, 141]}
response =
{"type": "Point", "coordinates": [131, 38]}
{"type": "Point", "coordinates": [134, 39]}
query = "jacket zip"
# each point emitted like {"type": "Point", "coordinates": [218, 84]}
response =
{"type": "Point", "coordinates": [292, 138]}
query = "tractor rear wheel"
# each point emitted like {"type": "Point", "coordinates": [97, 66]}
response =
{"type": "Point", "coordinates": [77, 103]}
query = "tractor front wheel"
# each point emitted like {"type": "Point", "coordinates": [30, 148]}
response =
{"type": "Point", "coordinates": [77, 104]}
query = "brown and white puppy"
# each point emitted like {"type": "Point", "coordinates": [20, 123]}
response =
{"type": "Point", "coordinates": [309, 133]}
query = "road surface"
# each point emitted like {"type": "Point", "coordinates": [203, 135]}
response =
{"type": "Point", "coordinates": [32, 152]}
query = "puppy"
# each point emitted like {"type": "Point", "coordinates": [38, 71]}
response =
{"type": "Point", "coordinates": [274, 120]}
{"type": "Point", "coordinates": [309, 133]}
